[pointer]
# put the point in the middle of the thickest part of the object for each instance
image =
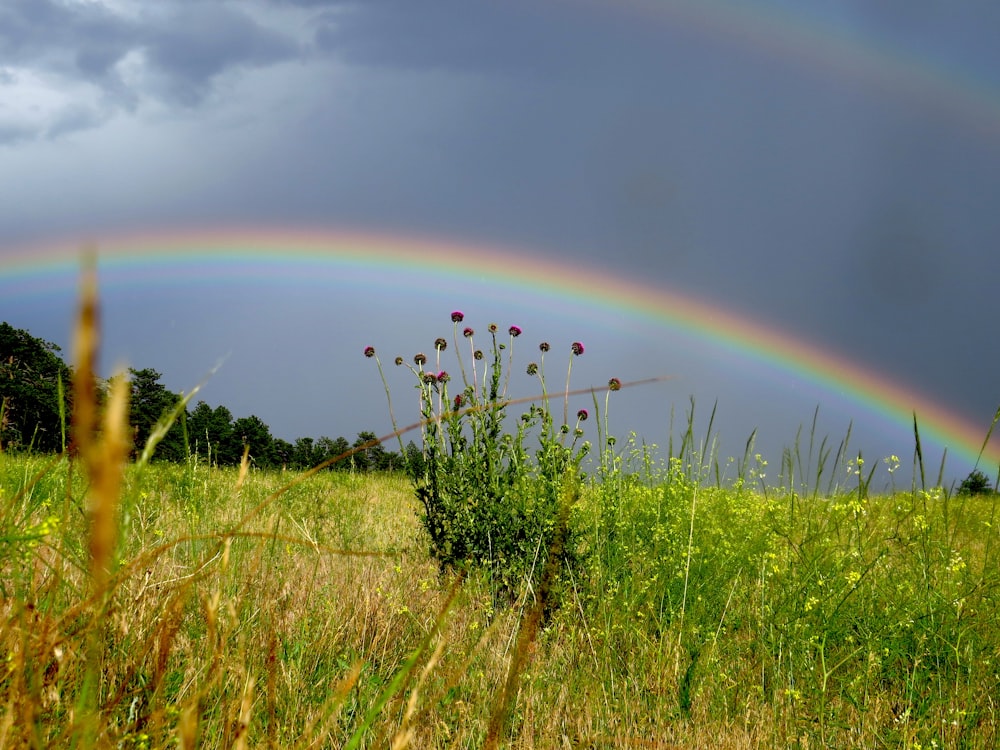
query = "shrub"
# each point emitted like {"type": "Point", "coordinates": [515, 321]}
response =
{"type": "Point", "coordinates": [976, 483]}
{"type": "Point", "coordinates": [487, 501]}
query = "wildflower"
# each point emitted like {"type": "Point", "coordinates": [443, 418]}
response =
{"type": "Point", "coordinates": [369, 351]}
{"type": "Point", "coordinates": [440, 344]}
{"type": "Point", "coordinates": [514, 331]}
{"type": "Point", "coordinates": [399, 361]}
{"type": "Point", "coordinates": [468, 332]}
{"type": "Point", "coordinates": [457, 317]}
{"type": "Point", "coordinates": [564, 429]}
{"type": "Point", "coordinates": [544, 346]}
{"type": "Point", "coordinates": [430, 377]}
{"type": "Point", "coordinates": [478, 354]}
{"type": "Point", "coordinates": [614, 384]}
{"type": "Point", "coordinates": [577, 348]}
{"type": "Point", "coordinates": [443, 377]}
{"type": "Point", "coordinates": [420, 359]}
{"type": "Point", "coordinates": [532, 368]}
{"type": "Point", "coordinates": [459, 401]}
{"type": "Point", "coordinates": [582, 415]}
{"type": "Point", "coordinates": [493, 327]}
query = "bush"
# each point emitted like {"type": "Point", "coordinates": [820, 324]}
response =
{"type": "Point", "coordinates": [487, 502]}
{"type": "Point", "coordinates": [976, 483]}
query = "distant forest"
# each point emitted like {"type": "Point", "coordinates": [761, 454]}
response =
{"type": "Point", "coordinates": [36, 403]}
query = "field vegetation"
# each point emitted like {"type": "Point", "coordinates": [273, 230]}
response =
{"type": "Point", "coordinates": [623, 597]}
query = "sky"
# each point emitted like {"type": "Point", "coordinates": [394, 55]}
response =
{"type": "Point", "coordinates": [820, 172]}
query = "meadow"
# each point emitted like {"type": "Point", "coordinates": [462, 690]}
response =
{"type": "Point", "coordinates": [520, 588]}
{"type": "Point", "coordinates": [240, 615]}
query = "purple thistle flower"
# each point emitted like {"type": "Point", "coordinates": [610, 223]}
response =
{"type": "Point", "coordinates": [440, 344]}
{"type": "Point", "coordinates": [468, 332]}
{"type": "Point", "coordinates": [443, 377]}
{"type": "Point", "coordinates": [577, 348]}
{"type": "Point", "coordinates": [369, 351]}
{"type": "Point", "coordinates": [582, 415]}
{"type": "Point", "coordinates": [544, 346]}
{"type": "Point", "coordinates": [614, 384]}
{"type": "Point", "coordinates": [514, 331]}
{"type": "Point", "coordinates": [420, 359]}
{"type": "Point", "coordinates": [459, 401]}
{"type": "Point", "coordinates": [457, 317]}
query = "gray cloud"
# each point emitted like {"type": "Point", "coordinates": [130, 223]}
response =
{"type": "Point", "coordinates": [172, 52]}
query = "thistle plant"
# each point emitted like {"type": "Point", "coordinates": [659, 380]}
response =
{"type": "Point", "coordinates": [486, 500]}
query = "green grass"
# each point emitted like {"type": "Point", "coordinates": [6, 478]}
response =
{"type": "Point", "coordinates": [673, 604]}
{"type": "Point", "coordinates": [702, 616]}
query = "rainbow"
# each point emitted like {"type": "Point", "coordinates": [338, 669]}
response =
{"type": "Point", "coordinates": [270, 253]}
{"type": "Point", "coordinates": [830, 48]}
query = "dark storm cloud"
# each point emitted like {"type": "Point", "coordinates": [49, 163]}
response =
{"type": "Point", "coordinates": [199, 41]}
{"type": "Point", "coordinates": [515, 37]}
{"type": "Point", "coordinates": [182, 48]}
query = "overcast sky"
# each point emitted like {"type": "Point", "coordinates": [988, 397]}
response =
{"type": "Point", "coordinates": [827, 168]}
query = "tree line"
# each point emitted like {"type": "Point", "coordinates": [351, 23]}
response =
{"type": "Point", "coordinates": [35, 404]}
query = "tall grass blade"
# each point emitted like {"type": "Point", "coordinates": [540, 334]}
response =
{"type": "Point", "coordinates": [919, 453]}
{"type": "Point", "coordinates": [986, 440]}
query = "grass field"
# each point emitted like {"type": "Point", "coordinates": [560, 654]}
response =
{"type": "Point", "coordinates": [148, 605]}
{"type": "Point", "coordinates": [700, 617]}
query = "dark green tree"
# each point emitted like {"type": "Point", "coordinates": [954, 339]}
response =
{"type": "Point", "coordinates": [413, 460]}
{"type": "Point", "coordinates": [305, 454]}
{"type": "Point", "coordinates": [976, 483]}
{"type": "Point", "coordinates": [210, 433]}
{"type": "Point", "coordinates": [151, 401]}
{"type": "Point", "coordinates": [329, 448]}
{"type": "Point", "coordinates": [282, 452]}
{"type": "Point", "coordinates": [30, 370]}
{"type": "Point", "coordinates": [253, 432]}
{"type": "Point", "coordinates": [371, 457]}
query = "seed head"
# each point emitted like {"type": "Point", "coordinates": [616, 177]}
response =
{"type": "Point", "coordinates": [532, 368]}
{"type": "Point", "coordinates": [514, 331]}
{"type": "Point", "coordinates": [577, 348]}
{"type": "Point", "coordinates": [457, 317]}
{"type": "Point", "coordinates": [430, 377]}
{"type": "Point", "coordinates": [399, 361]}
{"type": "Point", "coordinates": [440, 344]}
{"type": "Point", "coordinates": [468, 332]}
{"type": "Point", "coordinates": [478, 354]}
{"type": "Point", "coordinates": [369, 351]}
{"type": "Point", "coordinates": [544, 346]}
{"type": "Point", "coordinates": [614, 384]}
{"type": "Point", "coordinates": [582, 415]}
{"type": "Point", "coordinates": [493, 327]}
{"type": "Point", "coordinates": [420, 359]}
